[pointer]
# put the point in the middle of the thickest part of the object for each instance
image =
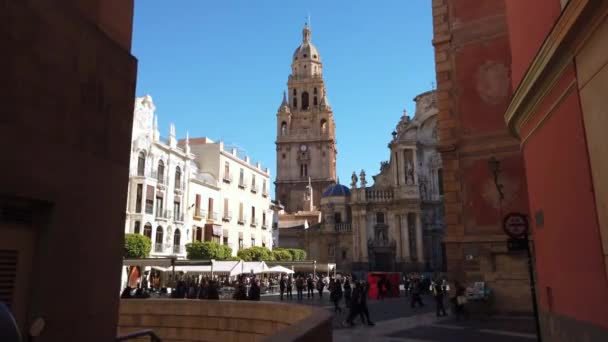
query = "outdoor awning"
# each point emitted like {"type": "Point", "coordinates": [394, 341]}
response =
{"type": "Point", "coordinates": [152, 262]}
{"type": "Point", "coordinates": [280, 269]}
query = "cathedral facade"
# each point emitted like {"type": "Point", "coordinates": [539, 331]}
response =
{"type": "Point", "coordinates": [306, 143]}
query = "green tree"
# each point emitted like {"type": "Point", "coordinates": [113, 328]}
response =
{"type": "Point", "coordinates": [255, 253]}
{"type": "Point", "coordinates": [281, 254]}
{"type": "Point", "coordinates": [297, 254]}
{"type": "Point", "coordinates": [207, 250]}
{"type": "Point", "coordinates": [137, 246]}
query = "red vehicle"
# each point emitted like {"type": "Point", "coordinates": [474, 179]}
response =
{"type": "Point", "coordinates": [392, 279]}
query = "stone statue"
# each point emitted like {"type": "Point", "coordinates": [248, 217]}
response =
{"type": "Point", "coordinates": [353, 178]}
{"type": "Point", "coordinates": [423, 193]}
{"type": "Point", "coordinates": [362, 177]}
{"type": "Point", "coordinates": [409, 175]}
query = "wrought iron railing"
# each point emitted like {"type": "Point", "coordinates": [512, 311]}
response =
{"type": "Point", "coordinates": [343, 227]}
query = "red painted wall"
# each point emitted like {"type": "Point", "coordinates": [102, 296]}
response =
{"type": "Point", "coordinates": [529, 23]}
{"type": "Point", "coordinates": [568, 251]}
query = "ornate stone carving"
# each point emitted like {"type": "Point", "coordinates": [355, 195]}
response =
{"type": "Point", "coordinates": [353, 178]}
{"type": "Point", "coordinates": [362, 177]}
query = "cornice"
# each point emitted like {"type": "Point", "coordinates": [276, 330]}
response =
{"type": "Point", "coordinates": [546, 67]}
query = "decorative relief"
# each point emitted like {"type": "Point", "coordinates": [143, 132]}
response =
{"type": "Point", "coordinates": [493, 82]}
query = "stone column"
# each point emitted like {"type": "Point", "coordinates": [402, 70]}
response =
{"type": "Point", "coordinates": [398, 236]}
{"type": "Point", "coordinates": [415, 165]}
{"type": "Point", "coordinates": [419, 242]}
{"type": "Point", "coordinates": [405, 243]}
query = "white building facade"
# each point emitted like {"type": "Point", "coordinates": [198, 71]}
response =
{"type": "Point", "coordinates": [240, 215]}
{"type": "Point", "coordinates": [157, 184]}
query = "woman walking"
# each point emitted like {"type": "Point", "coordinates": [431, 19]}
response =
{"type": "Point", "coordinates": [335, 294]}
{"type": "Point", "coordinates": [347, 292]}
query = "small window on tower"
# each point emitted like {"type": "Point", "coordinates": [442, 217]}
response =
{"type": "Point", "coordinates": [305, 55]}
{"type": "Point", "coordinates": [295, 92]}
{"type": "Point", "coordinates": [283, 156]}
{"type": "Point", "coordinates": [314, 56]}
{"type": "Point", "coordinates": [314, 101]}
{"type": "Point", "coordinates": [315, 91]}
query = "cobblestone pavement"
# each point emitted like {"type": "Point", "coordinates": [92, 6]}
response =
{"type": "Point", "coordinates": [397, 322]}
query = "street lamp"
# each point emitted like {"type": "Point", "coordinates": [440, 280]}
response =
{"type": "Point", "coordinates": [494, 165]}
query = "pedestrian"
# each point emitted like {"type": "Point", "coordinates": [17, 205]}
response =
{"type": "Point", "coordinates": [282, 286]}
{"type": "Point", "coordinates": [335, 294]}
{"type": "Point", "coordinates": [416, 294]}
{"type": "Point", "coordinates": [355, 305]}
{"type": "Point", "coordinates": [347, 292]}
{"type": "Point", "coordinates": [212, 292]}
{"type": "Point", "coordinates": [438, 292]}
{"type": "Point", "coordinates": [459, 301]}
{"type": "Point", "coordinates": [300, 287]}
{"type": "Point", "coordinates": [364, 311]}
{"type": "Point", "coordinates": [254, 290]}
{"type": "Point", "coordinates": [406, 285]}
{"type": "Point", "coordinates": [320, 287]}
{"type": "Point", "coordinates": [311, 287]}
{"type": "Point", "coordinates": [289, 287]}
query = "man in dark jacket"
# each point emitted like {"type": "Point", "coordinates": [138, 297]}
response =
{"type": "Point", "coordinates": [254, 290]}
{"type": "Point", "coordinates": [364, 312]}
{"type": "Point", "coordinates": [289, 288]}
{"type": "Point", "coordinates": [311, 287]}
{"type": "Point", "coordinates": [282, 285]}
{"type": "Point", "coordinates": [438, 292]}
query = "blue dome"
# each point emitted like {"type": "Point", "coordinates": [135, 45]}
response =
{"type": "Point", "coordinates": [337, 190]}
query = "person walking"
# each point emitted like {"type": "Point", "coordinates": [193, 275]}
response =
{"type": "Point", "coordinates": [282, 286]}
{"type": "Point", "coordinates": [311, 287]}
{"type": "Point", "coordinates": [300, 287]}
{"type": "Point", "coordinates": [335, 294]}
{"type": "Point", "coordinates": [347, 292]}
{"type": "Point", "coordinates": [288, 289]}
{"type": "Point", "coordinates": [380, 287]}
{"type": "Point", "coordinates": [354, 306]}
{"type": "Point", "coordinates": [439, 293]}
{"type": "Point", "coordinates": [364, 311]}
{"type": "Point", "coordinates": [459, 301]}
{"type": "Point", "coordinates": [320, 287]}
{"type": "Point", "coordinates": [254, 290]}
{"type": "Point", "coordinates": [416, 294]}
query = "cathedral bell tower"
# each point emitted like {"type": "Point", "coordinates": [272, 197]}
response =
{"type": "Point", "coordinates": [306, 133]}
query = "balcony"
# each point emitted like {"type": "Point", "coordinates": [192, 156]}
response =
{"type": "Point", "coordinates": [158, 248]}
{"type": "Point", "coordinates": [343, 227]}
{"type": "Point", "coordinates": [213, 216]}
{"type": "Point", "coordinates": [227, 178]}
{"type": "Point", "coordinates": [179, 217]}
{"type": "Point", "coordinates": [163, 214]}
{"type": "Point", "coordinates": [254, 188]}
{"type": "Point", "coordinates": [264, 193]}
{"type": "Point", "coordinates": [378, 195]}
{"type": "Point", "coordinates": [264, 225]}
{"type": "Point", "coordinates": [227, 217]}
{"type": "Point", "coordinates": [254, 222]}
{"type": "Point", "coordinates": [242, 184]}
{"type": "Point", "coordinates": [178, 249]}
{"type": "Point", "coordinates": [200, 213]}
{"type": "Point", "coordinates": [179, 188]}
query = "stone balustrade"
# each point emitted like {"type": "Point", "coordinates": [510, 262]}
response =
{"type": "Point", "coordinates": [378, 195]}
{"type": "Point", "coordinates": [343, 227]}
{"type": "Point", "coordinates": [224, 320]}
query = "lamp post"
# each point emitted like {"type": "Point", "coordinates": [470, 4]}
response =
{"type": "Point", "coordinates": [516, 226]}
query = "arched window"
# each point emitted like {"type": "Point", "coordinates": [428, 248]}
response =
{"type": "Point", "coordinates": [136, 227]}
{"type": "Point", "coordinates": [141, 164]}
{"type": "Point", "coordinates": [161, 171]}
{"type": "Point", "coordinates": [315, 91]}
{"type": "Point", "coordinates": [314, 101]}
{"type": "Point", "coordinates": [177, 237]}
{"type": "Point", "coordinates": [283, 128]}
{"type": "Point", "coordinates": [148, 230]}
{"type": "Point", "coordinates": [295, 92]}
{"type": "Point", "coordinates": [159, 235]}
{"type": "Point", "coordinates": [305, 100]}
{"type": "Point", "coordinates": [379, 217]}
{"type": "Point", "coordinates": [178, 178]}
{"type": "Point", "coordinates": [323, 126]}
{"type": "Point", "coordinates": [295, 102]}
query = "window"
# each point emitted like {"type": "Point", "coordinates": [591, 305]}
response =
{"type": "Point", "coordinates": [141, 164]}
{"type": "Point", "coordinates": [295, 102]}
{"type": "Point", "coordinates": [337, 217]}
{"type": "Point", "coordinates": [440, 181]}
{"type": "Point", "coordinates": [379, 217]}
{"type": "Point", "coordinates": [198, 234]}
{"type": "Point", "coordinates": [177, 210]}
{"type": "Point", "coordinates": [283, 155]}
{"type": "Point", "coordinates": [241, 218]}
{"type": "Point", "coordinates": [242, 177]}
{"type": "Point", "coordinates": [178, 178]}
{"type": "Point", "coordinates": [177, 236]}
{"type": "Point", "coordinates": [136, 227]}
{"type": "Point", "coordinates": [263, 219]}
{"type": "Point", "coordinates": [264, 191]}
{"type": "Point", "coordinates": [210, 207]}
{"type": "Point", "coordinates": [252, 214]}
{"type": "Point", "coordinates": [252, 242]}
{"type": "Point", "coordinates": [159, 207]}
{"type": "Point", "coordinates": [314, 91]}
{"type": "Point", "coordinates": [148, 230]}
{"type": "Point", "coordinates": [295, 92]}
{"type": "Point", "coordinates": [252, 181]}
{"type": "Point", "coordinates": [240, 242]}
{"type": "Point", "coordinates": [225, 240]}
{"type": "Point", "coordinates": [314, 101]}
{"type": "Point", "coordinates": [314, 56]}
{"type": "Point", "coordinates": [283, 128]}
{"type": "Point", "coordinates": [150, 199]}
{"type": "Point", "coordinates": [323, 126]}
{"type": "Point", "coordinates": [226, 212]}
{"type": "Point", "coordinates": [140, 190]}
{"type": "Point", "coordinates": [159, 235]}
{"type": "Point", "coordinates": [303, 170]}
{"type": "Point", "coordinates": [197, 205]}
{"type": "Point", "coordinates": [227, 171]}
{"type": "Point", "coordinates": [161, 171]}
{"type": "Point", "coordinates": [305, 100]}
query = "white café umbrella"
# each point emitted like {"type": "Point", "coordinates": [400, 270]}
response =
{"type": "Point", "coordinates": [280, 269]}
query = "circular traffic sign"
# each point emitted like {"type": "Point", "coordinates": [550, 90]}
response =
{"type": "Point", "coordinates": [516, 225]}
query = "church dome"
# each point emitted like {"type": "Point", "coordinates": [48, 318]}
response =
{"type": "Point", "coordinates": [337, 190]}
{"type": "Point", "coordinates": [306, 51]}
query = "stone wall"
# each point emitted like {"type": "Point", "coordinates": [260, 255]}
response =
{"type": "Point", "coordinates": [226, 320]}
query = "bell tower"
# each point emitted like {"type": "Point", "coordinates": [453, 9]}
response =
{"type": "Point", "coordinates": [306, 143]}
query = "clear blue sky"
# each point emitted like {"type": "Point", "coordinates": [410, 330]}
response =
{"type": "Point", "coordinates": [219, 68]}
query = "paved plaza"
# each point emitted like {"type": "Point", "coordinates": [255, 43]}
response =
{"type": "Point", "coordinates": [397, 322]}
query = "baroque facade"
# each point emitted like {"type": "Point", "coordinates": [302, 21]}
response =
{"type": "Point", "coordinates": [306, 144]}
{"type": "Point", "coordinates": [396, 224]}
